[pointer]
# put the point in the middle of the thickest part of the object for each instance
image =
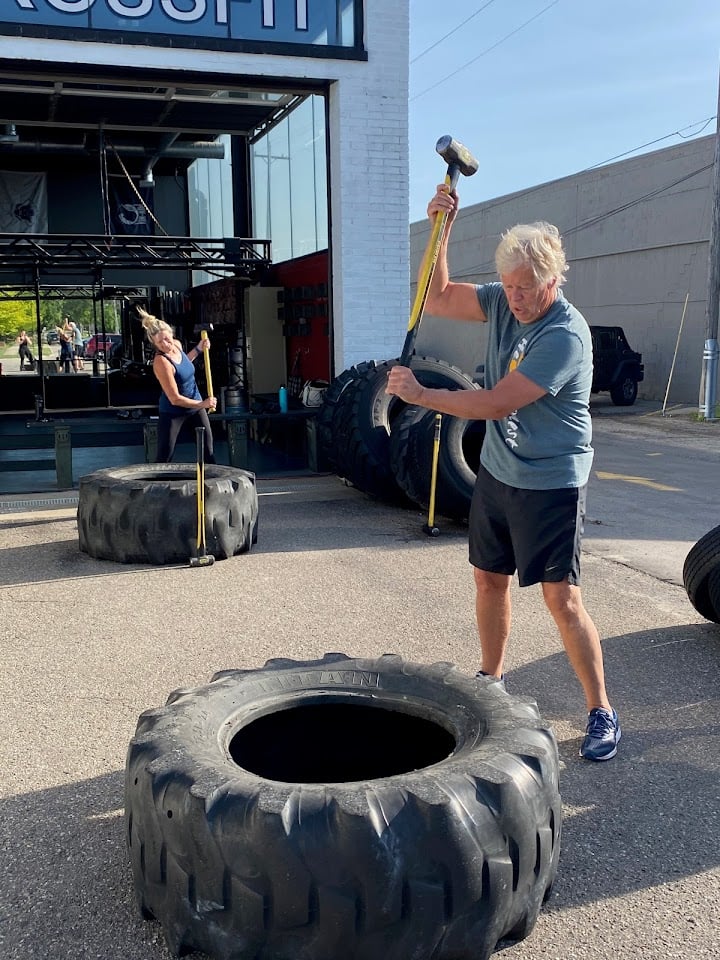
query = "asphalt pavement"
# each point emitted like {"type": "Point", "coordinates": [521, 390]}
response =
{"type": "Point", "coordinates": [87, 645]}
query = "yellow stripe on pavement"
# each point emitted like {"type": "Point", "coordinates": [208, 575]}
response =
{"type": "Point", "coordinates": [643, 481]}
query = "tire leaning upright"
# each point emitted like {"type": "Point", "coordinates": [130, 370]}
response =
{"type": "Point", "coordinates": [329, 416]}
{"type": "Point", "coordinates": [411, 454]}
{"type": "Point", "coordinates": [366, 419]}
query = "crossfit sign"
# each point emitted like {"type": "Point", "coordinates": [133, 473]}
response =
{"type": "Point", "coordinates": [314, 23]}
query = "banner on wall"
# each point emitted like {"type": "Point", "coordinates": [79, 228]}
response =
{"type": "Point", "coordinates": [129, 214]}
{"type": "Point", "coordinates": [23, 202]}
{"type": "Point", "coordinates": [310, 23]}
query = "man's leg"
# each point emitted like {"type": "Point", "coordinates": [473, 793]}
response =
{"type": "Point", "coordinates": [580, 639]}
{"type": "Point", "coordinates": [493, 612]}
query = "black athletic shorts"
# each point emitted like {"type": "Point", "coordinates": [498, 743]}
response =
{"type": "Point", "coordinates": [536, 532]}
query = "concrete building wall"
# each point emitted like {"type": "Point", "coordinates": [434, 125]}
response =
{"type": "Point", "coordinates": [636, 235]}
{"type": "Point", "coordinates": [368, 138]}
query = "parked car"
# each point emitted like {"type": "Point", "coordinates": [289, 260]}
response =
{"type": "Point", "coordinates": [52, 336]}
{"type": "Point", "coordinates": [616, 367]}
{"type": "Point", "coordinates": [99, 346]}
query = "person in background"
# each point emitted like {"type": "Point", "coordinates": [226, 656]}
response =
{"type": "Point", "coordinates": [528, 505]}
{"type": "Point", "coordinates": [66, 358]}
{"type": "Point", "coordinates": [180, 398]}
{"type": "Point", "coordinates": [78, 346]}
{"type": "Point", "coordinates": [24, 343]}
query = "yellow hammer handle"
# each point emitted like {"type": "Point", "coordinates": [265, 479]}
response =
{"type": "Point", "coordinates": [428, 265]}
{"type": "Point", "coordinates": [208, 373]}
{"type": "Point", "coordinates": [200, 494]}
{"type": "Point", "coordinates": [433, 473]}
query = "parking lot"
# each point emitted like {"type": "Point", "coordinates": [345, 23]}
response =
{"type": "Point", "coordinates": [88, 645]}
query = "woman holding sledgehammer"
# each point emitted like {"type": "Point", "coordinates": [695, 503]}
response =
{"type": "Point", "coordinates": [528, 505]}
{"type": "Point", "coordinates": [181, 397]}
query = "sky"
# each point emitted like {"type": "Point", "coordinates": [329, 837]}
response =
{"type": "Point", "coordinates": [542, 89]}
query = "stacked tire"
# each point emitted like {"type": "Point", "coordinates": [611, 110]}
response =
{"type": "Point", "coordinates": [701, 575]}
{"type": "Point", "coordinates": [384, 447]}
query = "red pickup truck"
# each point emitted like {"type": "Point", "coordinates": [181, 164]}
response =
{"type": "Point", "coordinates": [99, 346]}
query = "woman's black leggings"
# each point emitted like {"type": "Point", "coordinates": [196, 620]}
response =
{"type": "Point", "coordinates": [169, 426]}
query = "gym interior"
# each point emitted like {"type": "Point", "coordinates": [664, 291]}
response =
{"type": "Point", "coordinates": [202, 195]}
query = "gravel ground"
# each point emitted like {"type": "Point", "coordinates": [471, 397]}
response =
{"type": "Point", "coordinates": [88, 645]}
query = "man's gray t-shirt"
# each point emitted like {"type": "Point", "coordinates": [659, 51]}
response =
{"type": "Point", "coordinates": [546, 445]}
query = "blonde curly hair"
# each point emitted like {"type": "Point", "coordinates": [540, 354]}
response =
{"type": "Point", "coordinates": [536, 245]}
{"type": "Point", "coordinates": [152, 325]}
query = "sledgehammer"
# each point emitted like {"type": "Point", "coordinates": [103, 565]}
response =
{"type": "Point", "coordinates": [459, 161]}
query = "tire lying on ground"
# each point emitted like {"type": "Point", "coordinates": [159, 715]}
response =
{"type": "Point", "coordinates": [359, 808]}
{"type": "Point", "coordinates": [701, 577]}
{"type": "Point", "coordinates": [365, 420]}
{"type": "Point", "coordinates": [148, 513]}
{"type": "Point", "coordinates": [411, 457]}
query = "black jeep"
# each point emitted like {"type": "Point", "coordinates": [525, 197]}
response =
{"type": "Point", "coordinates": [616, 367]}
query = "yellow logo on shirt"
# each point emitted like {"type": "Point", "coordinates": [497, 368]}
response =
{"type": "Point", "coordinates": [518, 355]}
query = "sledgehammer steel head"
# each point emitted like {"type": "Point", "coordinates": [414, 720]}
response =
{"type": "Point", "coordinates": [453, 152]}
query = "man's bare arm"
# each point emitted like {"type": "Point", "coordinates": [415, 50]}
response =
{"type": "Point", "coordinates": [513, 392]}
{"type": "Point", "coordinates": [457, 301]}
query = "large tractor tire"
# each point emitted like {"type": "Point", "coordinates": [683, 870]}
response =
{"type": "Point", "coordinates": [412, 444]}
{"type": "Point", "coordinates": [148, 513]}
{"type": "Point", "coordinates": [366, 419]}
{"type": "Point", "coordinates": [701, 575]}
{"type": "Point", "coordinates": [358, 808]}
{"type": "Point", "coordinates": [329, 415]}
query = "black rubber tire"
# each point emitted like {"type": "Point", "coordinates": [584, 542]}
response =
{"type": "Point", "coordinates": [147, 513]}
{"type": "Point", "coordinates": [328, 416]}
{"type": "Point", "coordinates": [411, 456]}
{"type": "Point", "coordinates": [365, 421]}
{"type": "Point", "coordinates": [699, 568]}
{"type": "Point", "coordinates": [358, 808]}
{"type": "Point", "coordinates": [624, 392]}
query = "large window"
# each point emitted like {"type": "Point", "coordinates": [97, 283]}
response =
{"type": "Point", "coordinates": [289, 183]}
{"type": "Point", "coordinates": [210, 192]}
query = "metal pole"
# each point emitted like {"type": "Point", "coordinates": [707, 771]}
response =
{"type": "Point", "coordinates": [677, 345]}
{"type": "Point", "coordinates": [710, 353]}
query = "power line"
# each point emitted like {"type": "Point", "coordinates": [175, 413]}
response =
{"type": "Point", "coordinates": [484, 52]}
{"type": "Point", "coordinates": [489, 265]}
{"type": "Point", "coordinates": [454, 30]}
{"type": "Point", "coordinates": [650, 143]}
{"type": "Point", "coordinates": [489, 204]}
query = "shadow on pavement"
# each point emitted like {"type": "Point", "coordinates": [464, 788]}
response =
{"type": "Point", "coordinates": [647, 818]}
{"type": "Point", "coordinates": [652, 814]}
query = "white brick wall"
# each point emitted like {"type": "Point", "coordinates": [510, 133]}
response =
{"type": "Point", "coordinates": [369, 192]}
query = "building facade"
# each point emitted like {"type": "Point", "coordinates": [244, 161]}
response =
{"type": "Point", "coordinates": [265, 119]}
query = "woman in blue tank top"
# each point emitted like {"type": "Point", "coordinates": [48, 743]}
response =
{"type": "Point", "coordinates": [180, 398]}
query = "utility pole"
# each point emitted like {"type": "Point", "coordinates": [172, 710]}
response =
{"type": "Point", "coordinates": [710, 353]}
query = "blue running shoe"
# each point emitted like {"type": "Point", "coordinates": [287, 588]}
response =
{"type": "Point", "coordinates": [602, 735]}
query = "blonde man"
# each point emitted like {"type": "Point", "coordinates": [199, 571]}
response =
{"type": "Point", "coordinates": [528, 506]}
